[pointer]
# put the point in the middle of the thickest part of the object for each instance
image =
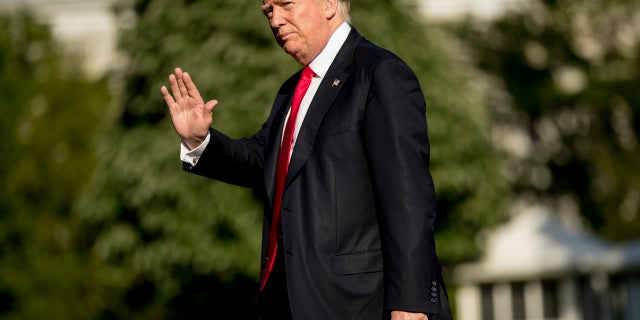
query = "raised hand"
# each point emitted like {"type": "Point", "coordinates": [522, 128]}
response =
{"type": "Point", "coordinates": [190, 115]}
{"type": "Point", "coordinates": [402, 315]}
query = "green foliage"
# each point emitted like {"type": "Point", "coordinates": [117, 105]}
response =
{"type": "Point", "coordinates": [159, 232]}
{"type": "Point", "coordinates": [49, 116]}
{"type": "Point", "coordinates": [564, 78]}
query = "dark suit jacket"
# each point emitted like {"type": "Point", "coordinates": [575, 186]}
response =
{"type": "Point", "coordinates": [358, 209]}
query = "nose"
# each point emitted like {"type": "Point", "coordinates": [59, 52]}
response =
{"type": "Point", "coordinates": [277, 17]}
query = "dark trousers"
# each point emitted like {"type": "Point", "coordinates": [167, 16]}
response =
{"type": "Point", "coordinates": [274, 299]}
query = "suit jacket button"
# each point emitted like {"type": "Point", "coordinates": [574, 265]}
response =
{"type": "Point", "coordinates": [433, 300]}
{"type": "Point", "coordinates": [433, 294]}
{"type": "Point", "coordinates": [433, 283]}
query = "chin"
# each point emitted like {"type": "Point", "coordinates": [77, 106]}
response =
{"type": "Point", "coordinates": [294, 53]}
{"type": "Point", "coordinates": [289, 48]}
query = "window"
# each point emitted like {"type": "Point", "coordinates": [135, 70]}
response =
{"type": "Point", "coordinates": [590, 299]}
{"type": "Point", "coordinates": [518, 301]}
{"type": "Point", "coordinates": [486, 293]}
{"type": "Point", "coordinates": [550, 299]}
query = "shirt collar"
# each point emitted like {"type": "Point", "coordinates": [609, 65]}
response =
{"type": "Point", "coordinates": [320, 65]}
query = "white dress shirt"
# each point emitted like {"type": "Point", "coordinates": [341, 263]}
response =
{"type": "Point", "coordinates": [320, 65]}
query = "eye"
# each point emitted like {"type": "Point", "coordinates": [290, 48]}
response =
{"type": "Point", "coordinates": [267, 11]}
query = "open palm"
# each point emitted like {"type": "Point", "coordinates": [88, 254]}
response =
{"type": "Point", "coordinates": [190, 115]}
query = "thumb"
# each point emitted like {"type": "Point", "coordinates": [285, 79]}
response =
{"type": "Point", "coordinates": [208, 107]}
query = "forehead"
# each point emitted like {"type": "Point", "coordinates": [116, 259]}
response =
{"type": "Point", "coordinates": [277, 2]}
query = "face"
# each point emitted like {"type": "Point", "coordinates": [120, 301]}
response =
{"type": "Point", "coordinates": [301, 27]}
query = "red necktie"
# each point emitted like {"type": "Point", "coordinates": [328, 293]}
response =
{"type": "Point", "coordinates": [281, 173]}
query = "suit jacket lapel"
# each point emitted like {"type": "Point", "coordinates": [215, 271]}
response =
{"type": "Point", "coordinates": [329, 88]}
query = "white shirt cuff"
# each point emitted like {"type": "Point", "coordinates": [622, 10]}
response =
{"type": "Point", "coordinates": [192, 156]}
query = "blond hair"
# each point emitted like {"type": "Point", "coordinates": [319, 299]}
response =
{"type": "Point", "coordinates": [343, 8]}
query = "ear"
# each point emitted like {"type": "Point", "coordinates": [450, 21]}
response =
{"type": "Point", "coordinates": [330, 8]}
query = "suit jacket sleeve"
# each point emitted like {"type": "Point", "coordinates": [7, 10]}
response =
{"type": "Point", "coordinates": [397, 146]}
{"type": "Point", "coordinates": [234, 161]}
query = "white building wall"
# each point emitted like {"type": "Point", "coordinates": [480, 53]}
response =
{"type": "Point", "coordinates": [502, 304]}
{"type": "Point", "coordinates": [534, 303]}
{"type": "Point", "coordinates": [469, 305]}
{"type": "Point", "coordinates": [568, 296]}
{"type": "Point", "coordinates": [571, 273]}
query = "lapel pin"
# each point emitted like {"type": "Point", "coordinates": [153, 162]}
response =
{"type": "Point", "coordinates": [335, 83]}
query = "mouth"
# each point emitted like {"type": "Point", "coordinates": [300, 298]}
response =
{"type": "Point", "coordinates": [284, 36]}
{"type": "Point", "coordinates": [282, 39]}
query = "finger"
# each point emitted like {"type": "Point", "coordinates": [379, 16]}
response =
{"type": "Point", "coordinates": [173, 82]}
{"type": "Point", "coordinates": [192, 90]}
{"type": "Point", "coordinates": [167, 97]}
{"type": "Point", "coordinates": [181, 85]}
{"type": "Point", "coordinates": [208, 107]}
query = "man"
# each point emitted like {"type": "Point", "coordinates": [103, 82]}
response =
{"type": "Point", "coordinates": [343, 162]}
